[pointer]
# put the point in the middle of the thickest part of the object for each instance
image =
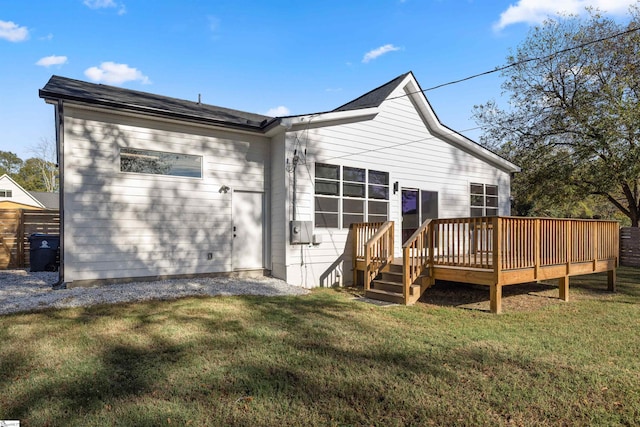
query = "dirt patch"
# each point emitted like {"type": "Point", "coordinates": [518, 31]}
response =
{"type": "Point", "coordinates": [523, 297]}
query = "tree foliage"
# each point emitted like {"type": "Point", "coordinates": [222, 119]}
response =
{"type": "Point", "coordinates": [573, 123]}
{"type": "Point", "coordinates": [38, 173]}
{"type": "Point", "coordinates": [10, 163]}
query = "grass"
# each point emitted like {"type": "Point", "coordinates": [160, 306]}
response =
{"type": "Point", "coordinates": [326, 359]}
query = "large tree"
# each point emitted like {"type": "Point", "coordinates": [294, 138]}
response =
{"type": "Point", "coordinates": [573, 122]}
{"type": "Point", "coordinates": [10, 163]}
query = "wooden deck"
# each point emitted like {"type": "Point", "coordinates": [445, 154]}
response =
{"type": "Point", "coordinates": [491, 251]}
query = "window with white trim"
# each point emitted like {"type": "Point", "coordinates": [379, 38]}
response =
{"type": "Point", "coordinates": [160, 163]}
{"type": "Point", "coordinates": [484, 199]}
{"type": "Point", "coordinates": [347, 195]}
{"type": "Point", "coordinates": [6, 193]}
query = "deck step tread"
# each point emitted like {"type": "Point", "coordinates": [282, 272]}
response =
{"type": "Point", "coordinates": [381, 295]}
{"type": "Point", "coordinates": [387, 282]}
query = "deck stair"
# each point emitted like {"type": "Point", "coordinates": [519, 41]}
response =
{"type": "Point", "coordinates": [388, 285]}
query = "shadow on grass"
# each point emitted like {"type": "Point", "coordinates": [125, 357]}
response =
{"type": "Point", "coordinates": [256, 360]}
{"type": "Point", "coordinates": [476, 297]}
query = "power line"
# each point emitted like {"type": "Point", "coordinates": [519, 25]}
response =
{"type": "Point", "coordinates": [523, 61]}
{"type": "Point", "coordinates": [386, 147]}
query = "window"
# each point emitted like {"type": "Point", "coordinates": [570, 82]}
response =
{"type": "Point", "coordinates": [347, 195]}
{"type": "Point", "coordinates": [160, 163]}
{"type": "Point", "coordinates": [354, 187]}
{"type": "Point", "coordinates": [5, 193]}
{"type": "Point", "coordinates": [484, 200]}
{"type": "Point", "coordinates": [327, 202]}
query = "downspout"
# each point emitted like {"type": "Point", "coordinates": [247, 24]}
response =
{"type": "Point", "coordinates": [59, 117]}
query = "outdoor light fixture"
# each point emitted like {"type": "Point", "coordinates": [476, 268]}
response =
{"type": "Point", "coordinates": [224, 189]}
{"type": "Point", "coordinates": [395, 187]}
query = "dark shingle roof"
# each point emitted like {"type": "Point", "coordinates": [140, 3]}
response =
{"type": "Point", "coordinates": [375, 97]}
{"type": "Point", "coordinates": [98, 94]}
{"type": "Point", "coordinates": [49, 200]}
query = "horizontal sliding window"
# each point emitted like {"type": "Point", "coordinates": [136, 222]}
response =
{"type": "Point", "coordinates": [5, 193]}
{"type": "Point", "coordinates": [160, 163]}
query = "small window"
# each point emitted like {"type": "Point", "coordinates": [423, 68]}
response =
{"type": "Point", "coordinates": [484, 200]}
{"type": "Point", "coordinates": [327, 179]}
{"type": "Point", "coordinates": [6, 193]}
{"type": "Point", "coordinates": [160, 163]}
{"type": "Point", "coordinates": [352, 212]}
{"type": "Point", "coordinates": [327, 209]}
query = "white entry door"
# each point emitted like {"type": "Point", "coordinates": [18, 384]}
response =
{"type": "Point", "coordinates": [248, 230]}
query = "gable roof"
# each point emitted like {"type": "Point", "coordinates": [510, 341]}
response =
{"type": "Point", "coordinates": [374, 97]}
{"type": "Point", "coordinates": [110, 96]}
{"type": "Point", "coordinates": [17, 187]}
{"type": "Point", "coordinates": [63, 88]}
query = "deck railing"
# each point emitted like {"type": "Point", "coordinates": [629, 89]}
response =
{"type": "Point", "coordinates": [463, 242]}
{"type": "Point", "coordinates": [378, 252]}
{"type": "Point", "coordinates": [416, 256]}
{"type": "Point", "coordinates": [541, 242]}
{"type": "Point", "coordinates": [362, 232]}
{"type": "Point", "coordinates": [522, 242]}
{"type": "Point", "coordinates": [494, 251]}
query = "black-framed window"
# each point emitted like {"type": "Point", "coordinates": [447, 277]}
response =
{"type": "Point", "coordinates": [160, 163]}
{"type": "Point", "coordinates": [345, 195]}
{"type": "Point", "coordinates": [484, 199]}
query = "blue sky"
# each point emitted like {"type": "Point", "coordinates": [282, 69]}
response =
{"type": "Point", "coordinates": [270, 57]}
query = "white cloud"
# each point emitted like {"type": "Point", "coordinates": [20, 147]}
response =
{"type": "Point", "coordinates": [278, 111]}
{"type": "Point", "coordinates": [99, 4]}
{"type": "Point", "coordinates": [48, 61]}
{"type": "Point", "coordinates": [214, 23]}
{"type": "Point", "coordinates": [112, 73]}
{"type": "Point", "coordinates": [12, 32]}
{"type": "Point", "coordinates": [536, 11]}
{"type": "Point", "coordinates": [105, 4]}
{"type": "Point", "coordinates": [373, 54]}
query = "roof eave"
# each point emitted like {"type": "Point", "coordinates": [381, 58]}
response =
{"type": "Point", "coordinates": [51, 97]}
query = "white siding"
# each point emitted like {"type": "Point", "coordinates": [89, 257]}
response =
{"type": "Point", "coordinates": [133, 225]}
{"type": "Point", "coordinates": [279, 203]}
{"type": "Point", "coordinates": [18, 194]}
{"type": "Point", "coordinates": [395, 141]}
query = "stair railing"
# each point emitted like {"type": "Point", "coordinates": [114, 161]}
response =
{"type": "Point", "coordinates": [378, 252]}
{"type": "Point", "coordinates": [417, 256]}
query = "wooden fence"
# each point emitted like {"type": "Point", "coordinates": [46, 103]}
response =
{"type": "Point", "coordinates": [630, 246]}
{"type": "Point", "coordinates": [16, 225]}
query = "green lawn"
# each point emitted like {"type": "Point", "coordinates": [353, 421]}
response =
{"type": "Point", "coordinates": [325, 359]}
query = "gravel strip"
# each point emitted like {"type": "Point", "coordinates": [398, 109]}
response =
{"type": "Point", "coordinates": [21, 290]}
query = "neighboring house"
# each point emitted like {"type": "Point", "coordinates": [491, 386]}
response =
{"type": "Point", "coordinates": [49, 200]}
{"type": "Point", "coordinates": [13, 196]}
{"type": "Point", "coordinates": [155, 186]}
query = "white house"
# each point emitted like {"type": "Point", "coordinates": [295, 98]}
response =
{"type": "Point", "coordinates": [13, 196]}
{"type": "Point", "coordinates": [153, 186]}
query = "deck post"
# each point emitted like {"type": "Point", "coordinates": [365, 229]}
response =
{"type": "Point", "coordinates": [354, 251]}
{"type": "Point", "coordinates": [536, 248]}
{"type": "Point", "coordinates": [568, 237]}
{"type": "Point", "coordinates": [495, 303]}
{"type": "Point", "coordinates": [563, 283]}
{"type": "Point", "coordinates": [611, 280]}
{"type": "Point", "coordinates": [497, 249]}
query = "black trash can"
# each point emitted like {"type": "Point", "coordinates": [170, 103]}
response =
{"type": "Point", "coordinates": [44, 252]}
